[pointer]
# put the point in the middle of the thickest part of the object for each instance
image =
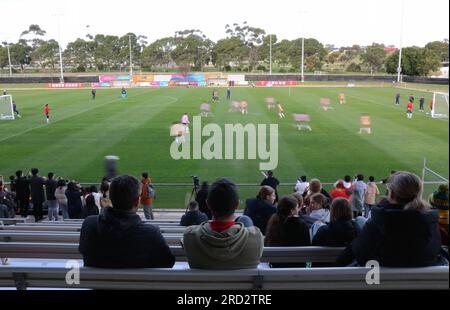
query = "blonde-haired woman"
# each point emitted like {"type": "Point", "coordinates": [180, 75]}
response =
{"type": "Point", "coordinates": [402, 232]}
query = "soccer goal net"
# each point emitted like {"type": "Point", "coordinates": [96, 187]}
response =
{"type": "Point", "coordinates": [6, 108]}
{"type": "Point", "coordinates": [439, 105]}
{"type": "Point", "coordinates": [431, 179]}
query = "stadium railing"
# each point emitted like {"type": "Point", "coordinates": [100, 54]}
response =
{"type": "Point", "coordinates": [249, 279]}
{"type": "Point", "coordinates": [13, 221]}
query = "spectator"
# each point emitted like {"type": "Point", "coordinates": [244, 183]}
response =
{"type": "Point", "coordinates": [347, 181]}
{"type": "Point", "coordinates": [302, 213]}
{"type": "Point", "coordinates": [201, 197]}
{"type": "Point", "coordinates": [193, 216]}
{"type": "Point", "coordinates": [37, 194]}
{"type": "Point", "coordinates": [12, 183]}
{"type": "Point", "coordinates": [146, 196]}
{"type": "Point", "coordinates": [340, 191]}
{"type": "Point", "coordinates": [261, 209]}
{"type": "Point", "coordinates": [301, 185]}
{"type": "Point", "coordinates": [74, 202]}
{"type": "Point", "coordinates": [7, 204]}
{"type": "Point", "coordinates": [371, 196]}
{"type": "Point", "coordinates": [105, 202]}
{"type": "Point", "coordinates": [439, 201]}
{"type": "Point", "coordinates": [60, 194]}
{"type": "Point", "coordinates": [4, 212]}
{"type": "Point", "coordinates": [90, 208]}
{"type": "Point", "coordinates": [272, 182]}
{"type": "Point", "coordinates": [97, 196]}
{"type": "Point", "coordinates": [118, 238]}
{"type": "Point", "coordinates": [23, 193]}
{"type": "Point", "coordinates": [223, 243]}
{"type": "Point", "coordinates": [400, 233]}
{"type": "Point", "coordinates": [318, 210]}
{"type": "Point", "coordinates": [359, 194]}
{"type": "Point", "coordinates": [52, 203]}
{"type": "Point", "coordinates": [341, 230]}
{"type": "Point", "coordinates": [285, 228]}
{"type": "Point", "coordinates": [315, 187]}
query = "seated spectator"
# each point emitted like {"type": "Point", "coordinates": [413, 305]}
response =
{"type": "Point", "coordinates": [118, 238]}
{"type": "Point", "coordinates": [201, 197]}
{"type": "Point", "coordinates": [7, 200]}
{"type": "Point", "coordinates": [4, 212]}
{"type": "Point", "coordinates": [315, 187]}
{"type": "Point", "coordinates": [371, 196]}
{"type": "Point", "coordinates": [439, 201]}
{"type": "Point", "coordinates": [301, 185]}
{"type": "Point", "coordinates": [90, 208]}
{"type": "Point", "coordinates": [223, 243]}
{"type": "Point", "coordinates": [105, 202]}
{"type": "Point", "coordinates": [340, 191]}
{"type": "Point", "coordinates": [60, 194]}
{"type": "Point", "coordinates": [318, 210]}
{"type": "Point", "coordinates": [285, 228]}
{"type": "Point", "coordinates": [401, 233]}
{"type": "Point", "coordinates": [74, 202]}
{"type": "Point", "coordinates": [261, 209]}
{"type": "Point", "coordinates": [302, 212]}
{"type": "Point", "coordinates": [341, 230]}
{"type": "Point", "coordinates": [193, 216]}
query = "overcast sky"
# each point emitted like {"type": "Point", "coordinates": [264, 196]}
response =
{"type": "Point", "coordinates": [338, 22]}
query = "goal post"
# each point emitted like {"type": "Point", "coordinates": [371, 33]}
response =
{"type": "Point", "coordinates": [439, 105]}
{"type": "Point", "coordinates": [6, 108]}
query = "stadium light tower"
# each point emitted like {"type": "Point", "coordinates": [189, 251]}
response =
{"type": "Point", "coordinates": [302, 14]}
{"type": "Point", "coordinates": [399, 68]}
{"type": "Point", "coordinates": [131, 59]}
{"type": "Point", "coordinates": [60, 46]}
{"type": "Point", "coordinates": [9, 57]}
{"type": "Point", "coordinates": [270, 55]}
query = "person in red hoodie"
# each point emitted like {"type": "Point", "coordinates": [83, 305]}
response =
{"type": "Point", "coordinates": [409, 109]}
{"type": "Point", "coordinates": [146, 197]}
{"type": "Point", "coordinates": [47, 113]}
{"type": "Point", "coordinates": [340, 191]}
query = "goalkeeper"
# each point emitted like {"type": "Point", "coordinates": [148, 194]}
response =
{"type": "Point", "coordinates": [16, 112]}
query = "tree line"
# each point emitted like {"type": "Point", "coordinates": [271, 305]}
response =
{"type": "Point", "coordinates": [245, 48]}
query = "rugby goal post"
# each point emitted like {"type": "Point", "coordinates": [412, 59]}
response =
{"type": "Point", "coordinates": [6, 108]}
{"type": "Point", "coordinates": [439, 105]}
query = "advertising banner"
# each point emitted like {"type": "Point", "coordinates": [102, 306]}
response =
{"type": "Point", "coordinates": [276, 83]}
{"type": "Point", "coordinates": [162, 78]}
{"type": "Point", "coordinates": [65, 85]}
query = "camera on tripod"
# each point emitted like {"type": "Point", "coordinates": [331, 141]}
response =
{"type": "Point", "coordinates": [196, 181]}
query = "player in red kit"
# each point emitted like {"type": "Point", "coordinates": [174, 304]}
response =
{"type": "Point", "coordinates": [47, 113]}
{"type": "Point", "coordinates": [409, 109]}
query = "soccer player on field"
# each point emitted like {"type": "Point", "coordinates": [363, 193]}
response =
{"type": "Point", "coordinates": [15, 110]}
{"type": "Point", "coordinates": [421, 104]}
{"type": "Point", "coordinates": [280, 110]}
{"type": "Point", "coordinates": [341, 98]}
{"type": "Point", "coordinates": [228, 93]}
{"type": "Point", "coordinates": [94, 92]}
{"type": "Point", "coordinates": [411, 98]}
{"type": "Point", "coordinates": [409, 109]}
{"type": "Point", "coordinates": [47, 113]}
{"type": "Point", "coordinates": [124, 92]}
{"type": "Point", "coordinates": [244, 107]}
{"type": "Point", "coordinates": [185, 122]}
{"type": "Point", "coordinates": [4, 92]}
{"type": "Point", "coordinates": [397, 99]}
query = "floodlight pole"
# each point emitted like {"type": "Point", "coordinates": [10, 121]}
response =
{"type": "Point", "coordinates": [9, 59]}
{"type": "Point", "coordinates": [131, 59]}
{"type": "Point", "coordinates": [270, 55]}
{"type": "Point", "coordinates": [399, 68]}
{"type": "Point", "coordinates": [60, 48]}
{"type": "Point", "coordinates": [303, 58]}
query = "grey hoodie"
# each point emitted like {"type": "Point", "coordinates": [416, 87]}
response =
{"type": "Point", "coordinates": [238, 247]}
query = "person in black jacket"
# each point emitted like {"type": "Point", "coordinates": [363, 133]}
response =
{"type": "Point", "coordinates": [90, 207]}
{"type": "Point", "coordinates": [52, 203]}
{"type": "Point", "coordinates": [23, 193]}
{"type": "Point", "coordinates": [285, 228]}
{"type": "Point", "coordinates": [118, 238]}
{"type": "Point", "coordinates": [74, 203]}
{"type": "Point", "coordinates": [272, 182]}
{"type": "Point", "coordinates": [402, 232]}
{"type": "Point", "coordinates": [261, 209]}
{"type": "Point", "coordinates": [341, 230]}
{"type": "Point", "coordinates": [37, 194]}
{"type": "Point", "coordinates": [201, 197]}
{"type": "Point", "coordinates": [193, 216]}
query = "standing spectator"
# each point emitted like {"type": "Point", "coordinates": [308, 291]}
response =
{"type": "Point", "coordinates": [74, 202]}
{"type": "Point", "coordinates": [201, 197]}
{"type": "Point", "coordinates": [105, 202]}
{"type": "Point", "coordinates": [340, 191]}
{"type": "Point", "coordinates": [118, 238]}
{"type": "Point", "coordinates": [341, 230]}
{"type": "Point", "coordinates": [147, 196]}
{"type": "Point", "coordinates": [193, 216]}
{"type": "Point", "coordinates": [347, 183]}
{"type": "Point", "coordinates": [52, 203]}
{"type": "Point", "coordinates": [272, 182]}
{"type": "Point", "coordinates": [301, 185]}
{"type": "Point", "coordinates": [401, 232]}
{"type": "Point", "coordinates": [223, 243]}
{"type": "Point", "coordinates": [97, 196]}
{"type": "Point", "coordinates": [23, 193]}
{"type": "Point", "coordinates": [371, 196]}
{"type": "Point", "coordinates": [60, 194]}
{"type": "Point", "coordinates": [90, 208]}
{"type": "Point", "coordinates": [359, 194]}
{"type": "Point", "coordinates": [261, 209]}
{"type": "Point", "coordinates": [285, 228]}
{"type": "Point", "coordinates": [37, 194]}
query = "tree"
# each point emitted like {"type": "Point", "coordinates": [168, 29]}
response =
{"type": "Point", "coordinates": [228, 51]}
{"type": "Point", "coordinates": [46, 54]}
{"type": "Point", "coordinates": [314, 54]}
{"type": "Point", "coordinates": [374, 57]}
{"type": "Point", "coordinates": [158, 53]}
{"type": "Point", "coordinates": [416, 61]}
{"type": "Point", "coordinates": [3, 57]}
{"type": "Point", "coordinates": [20, 53]}
{"type": "Point", "coordinates": [439, 48]}
{"type": "Point", "coordinates": [192, 47]}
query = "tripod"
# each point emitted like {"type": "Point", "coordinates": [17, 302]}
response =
{"type": "Point", "coordinates": [193, 195]}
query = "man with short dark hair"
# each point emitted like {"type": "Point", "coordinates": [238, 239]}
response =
{"type": "Point", "coordinates": [37, 194]}
{"type": "Point", "coordinates": [118, 238]}
{"type": "Point", "coordinates": [193, 216]}
{"type": "Point", "coordinates": [223, 243]}
{"type": "Point", "coordinates": [52, 203]}
{"type": "Point", "coordinates": [23, 193]}
{"type": "Point", "coordinates": [359, 194]}
{"type": "Point", "coordinates": [271, 181]}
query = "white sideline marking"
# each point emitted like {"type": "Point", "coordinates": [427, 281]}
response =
{"type": "Point", "coordinates": [76, 114]}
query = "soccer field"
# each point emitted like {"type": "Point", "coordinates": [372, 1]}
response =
{"type": "Point", "coordinates": [136, 129]}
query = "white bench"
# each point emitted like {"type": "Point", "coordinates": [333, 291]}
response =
{"type": "Point", "coordinates": [70, 251]}
{"type": "Point", "coordinates": [13, 220]}
{"type": "Point", "coordinates": [195, 279]}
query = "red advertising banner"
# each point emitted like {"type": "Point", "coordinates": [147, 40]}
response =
{"type": "Point", "coordinates": [65, 85]}
{"type": "Point", "coordinates": [276, 83]}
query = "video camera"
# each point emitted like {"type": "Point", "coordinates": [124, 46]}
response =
{"type": "Point", "coordinates": [196, 181]}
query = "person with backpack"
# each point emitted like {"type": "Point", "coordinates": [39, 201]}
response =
{"type": "Point", "coordinates": [147, 195]}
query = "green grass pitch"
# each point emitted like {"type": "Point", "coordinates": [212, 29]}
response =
{"type": "Point", "coordinates": [136, 129]}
